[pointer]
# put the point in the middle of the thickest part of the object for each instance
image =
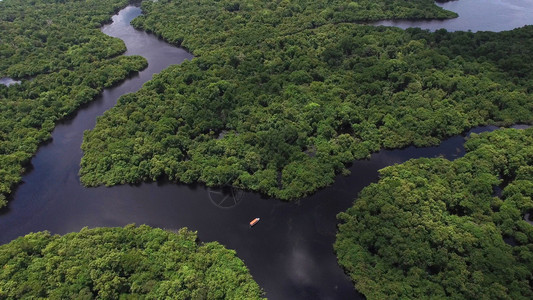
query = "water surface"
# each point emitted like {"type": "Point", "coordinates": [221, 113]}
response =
{"type": "Point", "coordinates": [476, 15]}
{"type": "Point", "coordinates": [8, 81]}
{"type": "Point", "coordinates": [289, 252]}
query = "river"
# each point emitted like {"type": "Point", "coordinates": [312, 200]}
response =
{"type": "Point", "coordinates": [289, 252]}
{"type": "Point", "coordinates": [476, 15]}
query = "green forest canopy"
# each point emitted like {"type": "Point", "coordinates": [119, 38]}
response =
{"type": "Point", "coordinates": [283, 94]}
{"type": "Point", "coordinates": [126, 263]}
{"type": "Point", "coordinates": [434, 228]}
{"type": "Point", "coordinates": [59, 45]}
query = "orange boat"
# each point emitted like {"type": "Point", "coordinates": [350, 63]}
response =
{"type": "Point", "coordinates": [254, 221]}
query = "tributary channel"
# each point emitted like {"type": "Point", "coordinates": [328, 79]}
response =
{"type": "Point", "coordinates": [289, 252]}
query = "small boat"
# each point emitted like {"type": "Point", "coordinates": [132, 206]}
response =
{"type": "Point", "coordinates": [254, 221]}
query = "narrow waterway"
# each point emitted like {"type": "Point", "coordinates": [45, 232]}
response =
{"type": "Point", "coordinates": [289, 252]}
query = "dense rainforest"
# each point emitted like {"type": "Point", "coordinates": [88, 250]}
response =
{"type": "Point", "coordinates": [57, 48]}
{"type": "Point", "coordinates": [446, 229]}
{"type": "Point", "coordinates": [284, 94]}
{"type": "Point", "coordinates": [281, 97]}
{"type": "Point", "coordinates": [122, 263]}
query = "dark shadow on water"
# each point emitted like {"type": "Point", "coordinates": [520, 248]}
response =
{"type": "Point", "coordinates": [6, 209]}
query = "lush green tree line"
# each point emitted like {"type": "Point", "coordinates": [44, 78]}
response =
{"type": "Point", "coordinates": [434, 228]}
{"type": "Point", "coordinates": [122, 263]}
{"type": "Point", "coordinates": [284, 94]}
{"type": "Point", "coordinates": [58, 43]}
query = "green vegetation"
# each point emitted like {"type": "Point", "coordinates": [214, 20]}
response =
{"type": "Point", "coordinates": [283, 94]}
{"type": "Point", "coordinates": [433, 228]}
{"type": "Point", "coordinates": [125, 263]}
{"type": "Point", "coordinates": [60, 45]}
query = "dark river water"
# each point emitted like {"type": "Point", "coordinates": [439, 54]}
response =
{"type": "Point", "coordinates": [289, 252]}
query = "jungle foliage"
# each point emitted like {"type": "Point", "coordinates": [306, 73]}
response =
{"type": "Point", "coordinates": [122, 263]}
{"type": "Point", "coordinates": [434, 228]}
{"type": "Point", "coordinates": [59, 45]}
{"type": "Point", "coordinates": [283, 94]}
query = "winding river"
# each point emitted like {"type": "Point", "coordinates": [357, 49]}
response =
{"type": "Point", "coordinates": [289, 252]}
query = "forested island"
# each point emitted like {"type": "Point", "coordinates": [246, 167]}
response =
{"type": "Point", "coordinates": [122, 263]}
{"type": "Point", "coordinates": [284, 94]}
{"type": "Point", "coordinates": [59, 47]}
{"type": "Point", "coordinates": [434, 228]}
